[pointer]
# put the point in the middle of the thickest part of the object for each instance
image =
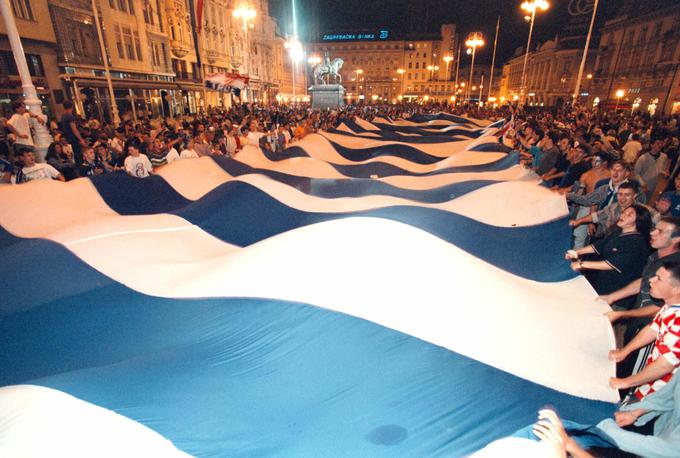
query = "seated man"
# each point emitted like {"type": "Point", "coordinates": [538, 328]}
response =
{"type": "Point", "coordinates": [664, 331]}
{"type": "Point", "coordinates": [136, 164]}
{"type": "Point", "coordinates": [36, 171]}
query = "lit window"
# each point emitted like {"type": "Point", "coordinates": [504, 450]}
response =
{"type": "Point", "coordinates": [22, 9]}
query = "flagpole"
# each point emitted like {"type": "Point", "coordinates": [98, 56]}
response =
{"type": "Point", "coordinates": [493, 59]}
{"type": "Point", "coordinates": [585, 55]}
{"type": "Point", "coordinates": [197, 48]}
{"type": "Point", "coordinates": [115, 116]}
{"type": "Point", "coordinates": [42, 134]}
{"type": "Point", "coordinates": [460, 49]}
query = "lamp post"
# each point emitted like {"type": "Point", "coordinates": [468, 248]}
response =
{"type": "Point", "coordinates": [401, 71]}
{"type": "Point", "coordinates": [460, 50]}
{"type": "Point", "coordinates": [432, 69]}
{"type": "Point", "coordinates": [105, 58]}
{"type": "Point", "coordinates": [619, 94]}
{"type": "Point", "coordinates": [493, 59]}
{"type": "Point", "coordinates": [42, 134]}
{"type": "Point", "coordinates": [448, 60]}
{"type": "Point", "coordinates": [294, 48]}
{"type": "Point", "coordinates": [246, 13]}
{"type": "Point", "coordinates": [358, 72]}
{"type": "Point", "coordinates": [474, 40]}
{"type": "Point", "coordinates": [481, 85]}
{"type": "Point", "coordinates": [530, 6]}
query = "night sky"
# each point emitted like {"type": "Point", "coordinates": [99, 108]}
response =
{"type": "Point", "coordinates": [427, 15]}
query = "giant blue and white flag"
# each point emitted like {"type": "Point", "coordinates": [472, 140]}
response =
{"type": "Point", "coordinates": [377, 291]}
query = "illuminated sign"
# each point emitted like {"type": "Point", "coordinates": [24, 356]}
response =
{"type": "Point", "coordinates": [379, 35]}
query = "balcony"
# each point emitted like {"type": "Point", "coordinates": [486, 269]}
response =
{"type": "Point", "coordinates": [179, 49]}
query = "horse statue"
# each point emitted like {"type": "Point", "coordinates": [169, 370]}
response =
{"type": "Point", "coordinates": [328, 69]}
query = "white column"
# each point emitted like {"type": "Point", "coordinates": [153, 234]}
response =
{"type": "Point", "coordinates": [42, 137]}
{"type": "Point", "coordinates": [105, 59]}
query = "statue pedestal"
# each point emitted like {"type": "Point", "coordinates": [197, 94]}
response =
{"type": "Point", "coordinates": [327, 96]}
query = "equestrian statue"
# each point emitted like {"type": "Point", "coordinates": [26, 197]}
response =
{"type": "Point", "coordinates": [327, 70]}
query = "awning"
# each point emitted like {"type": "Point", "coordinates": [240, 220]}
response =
{"type": "Point", "coordinates": [117, 83]}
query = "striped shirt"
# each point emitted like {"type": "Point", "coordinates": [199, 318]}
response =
{"type": "Point", "coordinates": [667, 345]}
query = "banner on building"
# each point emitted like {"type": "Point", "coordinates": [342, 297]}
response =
{"type": "Point", "coordinates": [227, 81]}
{"type": "Point", "coordinates": [199, 15]}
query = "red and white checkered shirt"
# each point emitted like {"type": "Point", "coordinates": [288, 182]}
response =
{"type": "Point", "coordinates": [667, 344]}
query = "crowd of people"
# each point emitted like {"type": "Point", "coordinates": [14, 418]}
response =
{"type": "Point", "coordinates": [619, 173]}
{"type": "Point", "coordinates": [89, 147]}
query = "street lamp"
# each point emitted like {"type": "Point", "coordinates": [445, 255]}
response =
{"type": "Point", "coordinates": [359, 72]}
{"type": "Point", "coordinates": [530, 6]}
{"type": "Point", "coordinates": [448, 60]}
{"type": "Point", "coordinates": [314, 60]}
{"type": "Point", "coordinates": [294, 48]}
{"type": "Point", "coordinates": [619, 94]}
{"type": "Point", "coordinates": [401, 71]}
{"type": "Point", "coordinates": [432, 69]}
{"type": "Point", "coordinates": [474, 40]}
{"type": "Point", "coordinates": [246, 13]}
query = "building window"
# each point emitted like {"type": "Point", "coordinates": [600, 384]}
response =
{"type": "Point", "coordinates": [138, 45]}
{"type": "Point", "coordinates": [119, 42]}
{"type": "Point", "coordinates": [35, 66]}
{"type": "Point", "coordinates": [129, 44]}
{"type": "Point", "coordinates": [22, 9]}
{"type": "Point", "coordinates": [7, 63]}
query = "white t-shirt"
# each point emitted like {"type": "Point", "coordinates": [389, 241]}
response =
{"type": "Point", "coordinates": [253, 138]}
{"type": "Point", "coordinates": [631, 150]}
{"type": "Point", "coordinates": [20, 123]}
{"type": "Point", "coordinates": [172, 156]}
{"type": "Point", "coordinates": [40, 171]}
{"type": "Point", "coordinates": [188, 154]}
{"type": "Point", "coordinates": [116, 144]}
{"type": "Point", "coordinates": [139, 166]}
{"type": "Point", "coordinates": [231, 144]}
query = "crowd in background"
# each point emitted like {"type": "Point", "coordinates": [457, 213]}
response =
{"type": "Point", "coordinates": [83, 147]}
{"type": "Point", "coordinates": [619, 172]}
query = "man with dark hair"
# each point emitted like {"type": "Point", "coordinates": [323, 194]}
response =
{"type": "Point", "coordinates": [37, 171]}
{"type": "Point", "coordinates": [550, 153]}
{"type": "Point", "coordinates": [626, 195]}
{"type": "Point", "coordinates": [633, 307]}
{"type": "Point", "coordinates": [664, 331]}
{"type": "Point", "coordinates": [578, 165]}
{"type": "Point", "coordinates": [665, 239]}
{"type": "Point", "coordinates": [20, 125]}
{"type": "Point", "coordinates": [652, 165]}
{"type": "Point", "coordinates": [69, 126]}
